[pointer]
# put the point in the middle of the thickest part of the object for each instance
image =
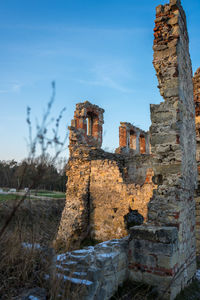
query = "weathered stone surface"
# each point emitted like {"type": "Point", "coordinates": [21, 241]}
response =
{"type": "Point", "coordinates": [132, 140]}
{"type": "Point", "coordinates": [86, 127]}
{"type": "Point", "coordinates": [95, 271]}
{"type": "Point", "coordinates": [74, 226]}
{"type": "Point", "coordinates": [196, 83]}
{"type": "Point", "coordinates": [170, 230]}
{"type": "Point", "coordinates": [101, 187]}
{"type": "Point", "coordinates": [152, 233]}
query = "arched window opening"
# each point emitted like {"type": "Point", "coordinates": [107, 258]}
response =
{"type": "Point", "coordinates": [132, 140]}
{"type": "Point", "coordinates": [89, 125]}
{"type": "Point", "coordinates": [142, 144]}
{"type": "Point", "coordinates": [91, 120]}
{"type": "Point", "coordinates": [128, 139]}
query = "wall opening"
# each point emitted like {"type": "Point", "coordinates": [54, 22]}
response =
{"type": "Point", "coordinates": [128, 139]}
{"type": "Point", "coordinates": [90, 121]}
{"type": "Point", "coordinates": [142, 144]}
{"type": "Point", "coordinates": [197, 108]}
{"type": "Point", "coordinates": [133, 140]}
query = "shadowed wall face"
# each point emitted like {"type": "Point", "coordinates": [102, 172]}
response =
{"type": "Point", "coordinates": [168, 241]}
{"type": "Point", "coordinates": [196, 82]}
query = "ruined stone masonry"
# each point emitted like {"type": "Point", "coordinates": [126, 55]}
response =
{"type": "Point", "coordinates": [132, 140]}
{"type": "Point", "coordinates": [103, 186]}
{"type": "Point", "coordinates": [153, 172]}
{"type": "Point", "coordinates": [163, 251]}
{"type": "Point", "coordinates": [196, 82]}
{"type": "Point", "coordinates": [86, 127]}
{"type": "Point", "coordinates": [94, 272]}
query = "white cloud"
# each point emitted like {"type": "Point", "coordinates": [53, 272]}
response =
{"type": "Point", "coordinates": [107, 82]}
{"type": "Point", "coordinates": [13, 87]}
{"type": "Point", "coordinates": [111, 75]}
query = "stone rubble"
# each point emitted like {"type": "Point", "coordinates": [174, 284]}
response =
{"type": "Point", "coordinates": [95, 272]}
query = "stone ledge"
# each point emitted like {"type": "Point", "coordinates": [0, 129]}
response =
{"type": "Point", "coordinates": [159, 234]}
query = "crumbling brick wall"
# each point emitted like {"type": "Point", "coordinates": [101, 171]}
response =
{"type": "Point", "coordinates": [86, 127]}
{"type": "Point", "coordinates": [163, 252]}
{"type": "Point", "coordinates": [132, 139]}
{"type": "Point", "coordinates": [102, 186]}
{"type": "Point", "coordinates": [196, 82]}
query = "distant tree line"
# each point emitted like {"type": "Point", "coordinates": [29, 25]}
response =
{"type": "Point", "coordinates": [24, 174]}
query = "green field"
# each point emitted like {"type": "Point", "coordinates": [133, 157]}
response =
{"type": "Point", "coordinates": [48, 194]}
{"type": "Point", "coordinates": [13, 196]}
{"type": "Point", "coordinates": [5, 197]}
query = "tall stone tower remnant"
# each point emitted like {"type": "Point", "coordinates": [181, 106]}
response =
{"type": "Point", "coordinates": [196, 82]}
{"type": "Point", "coordinates": [87, 126]}
{"type": "Point", "coordinates": [164, 249]}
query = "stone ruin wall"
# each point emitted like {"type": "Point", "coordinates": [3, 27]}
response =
{"type": "Point", "coordinates": [113, 191]}
{"type": "Point", "coordinates": [86, 127]}
{"type": "Point", "coordinates": [196, 82]}
{"type": "Point", "coordinates": [94, 273]}
{"type": "Point", "coordinates": [132, 140]}
{"type": "Point", "coordinates": [103, 186]}
{"type": "Point", "coordinates": [163, 252]}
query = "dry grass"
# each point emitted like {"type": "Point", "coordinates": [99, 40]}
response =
{"type": "Point", "coordinates": [36, 220]}
{"type": "Point", "coordinates": [20, 267]}
{"type": "Point", "coordinates": [23, 268]}
{"type": "Point", "coordinates": [58, 289]}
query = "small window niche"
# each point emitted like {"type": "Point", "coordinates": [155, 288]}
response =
{"type": "Point", "coordinates": [90, 121]}
{"type": "Point", "coordinates": [142, 144]}
{"type": "Point", "coordinates": [132, 140]}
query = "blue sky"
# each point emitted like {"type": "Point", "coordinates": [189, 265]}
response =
{"type": "Point", "coordinates": [99, 51]}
